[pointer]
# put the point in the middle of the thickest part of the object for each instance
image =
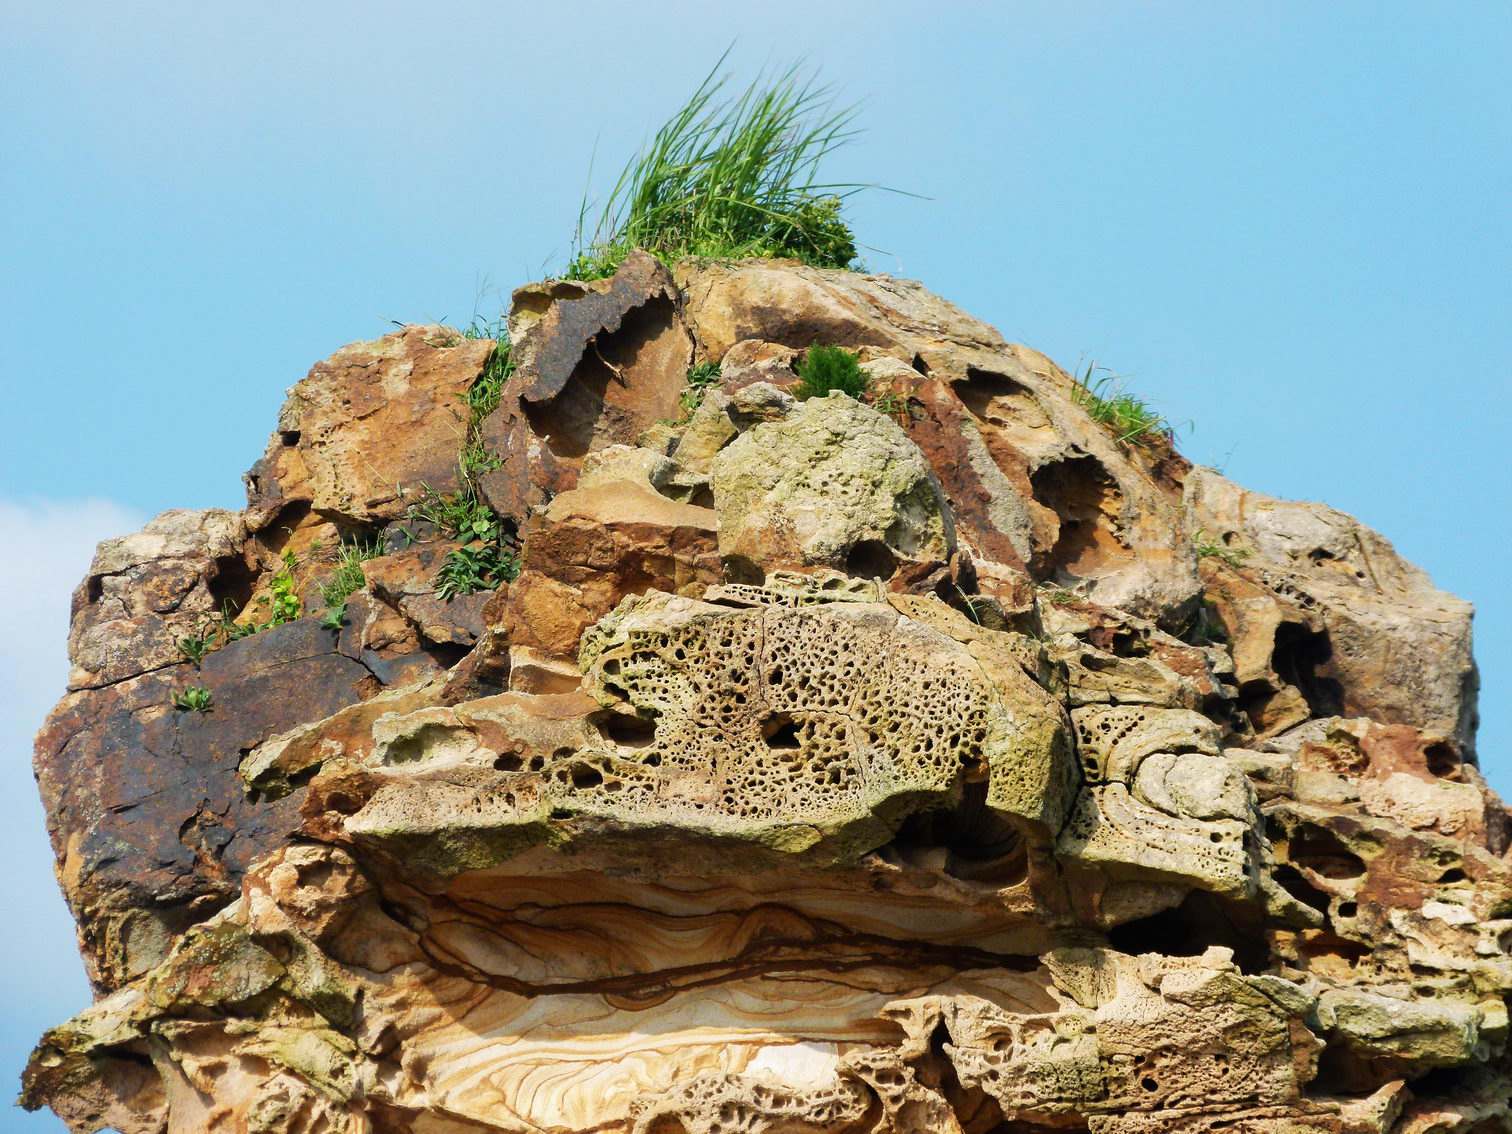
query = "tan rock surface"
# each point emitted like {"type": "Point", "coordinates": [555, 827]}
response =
{"type": "Point", "coordinates": [1355, 629]}
{"type": "Point", "coordinates": [952, 769]}
{"type": "Point", "coordinates": [366, 424]}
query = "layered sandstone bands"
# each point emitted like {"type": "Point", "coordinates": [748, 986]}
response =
{"type": "Point", "coordinates": [823, 770]}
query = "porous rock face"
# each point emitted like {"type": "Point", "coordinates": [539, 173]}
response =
{"type": "Point", "coordinates": [954, 769]}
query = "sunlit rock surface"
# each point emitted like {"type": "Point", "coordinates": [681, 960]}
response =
{"type": "Point", "coordinates": [939, 764]}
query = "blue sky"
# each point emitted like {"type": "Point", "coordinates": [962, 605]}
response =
{"type": "Point", "coordinates": [1288, 224]}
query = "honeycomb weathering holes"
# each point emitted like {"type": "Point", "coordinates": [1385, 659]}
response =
{"type": "Point", "coordinates": [784, 713]}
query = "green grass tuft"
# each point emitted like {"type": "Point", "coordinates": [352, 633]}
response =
{"type": "Point", "coordinates": [893, 405]}
{"type": "Point", "coordinates": [481, 328]}
{"type": "Point", "coordinates": [1128, 418]}
{"type": "Point", "coordinates": [827, 368]}
{"type": "Point", "coordinates": [731, 176]}
{"type": "Point", "coordinates": [459, 515]}
{"type": "Point", "coordinates": [482, 396]}
{"type": "Point", "coordinates": [348, 578]}
{"type": "Point", "coordinates": [1209, 548]}
{"type": "Point", "coordinates": [482, 399]}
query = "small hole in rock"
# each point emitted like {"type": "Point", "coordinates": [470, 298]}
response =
{"type": "Point", "coordinates": [586, 776]}
{"type": "Point", "coordinates": [1442, 760]}
{"type": "Point", "coordinates": [780, 731]}
{"type": "Point", "coordinates": [871, 559]}
{"type": "Point", "coordinates": [740, 569]}
{"type": "Point", "coordinates": [626, 730]}
{"type": "Point", "coordinates": [1321, 851]}
{"type": "Point", "coordinates": [1291, 880]}
{"type": "Point", "coordinates": [1189, 929]}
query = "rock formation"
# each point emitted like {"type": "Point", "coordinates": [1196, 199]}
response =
{"type": "Point", "coordinates": [943, 764]}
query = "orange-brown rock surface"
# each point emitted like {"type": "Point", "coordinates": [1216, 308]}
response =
{"type": "Point", "coordinates": [936, 762]}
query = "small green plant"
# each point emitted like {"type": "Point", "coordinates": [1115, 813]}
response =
{"type": "Point", "coordinates": [194, 647]}
{"type": "Point", "coordinates": [460, 515]}
{"type": "Point", "coordinates": [282, 598]}
{"type": "Point", "coordinates": [730, 177]}
{"type": "Point", "coordinates": [194, 699]}
{"type": "Point", "coordinates": [1060, 596]}
{"type": "Point", "coordinates": [476, 460]}
{"type": "Point", "coordinates": [1131, 421]}
{"type": "Point", "coordinates": [475, 567]}
{"type": "Point", "coordinates": [1208, 548]}
{"type": "Point", "coordinates": [482, 399]}
{"type": "Point", "coordinates": [486, 557]}
{"type": "Point", "coordinates": [348, 578]}
{"type": "Point", "coordinates": [282, 592]}
{"type": "Point", "coordinates": [828, 368]}
{"type": "Point", "coordinates": [700, 379]}
{"type": "Point", "coordinates": [894, 405]}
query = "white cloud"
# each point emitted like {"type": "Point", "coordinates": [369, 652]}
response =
{"type": "Point", "coordinates": [45, 548]}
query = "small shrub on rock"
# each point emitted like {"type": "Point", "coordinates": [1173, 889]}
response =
{"type": "Point", "coordinates": [284, 591]}
{"type": "Point", "coordinates": [828, 368]}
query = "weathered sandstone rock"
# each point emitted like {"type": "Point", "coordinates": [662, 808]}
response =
{"type": "Point", "coordinates": [366, 424]}
{"type": "Point", "coordinates": [830, 484]}
{"type": "Point", "coordinates": [614, 535]}
{"type": "Point", "coordinates": [595, 365]}
{"type": "Point", "coordinates": [940, 765]}
{"type": "Point", "coordinates": [1340, 620]}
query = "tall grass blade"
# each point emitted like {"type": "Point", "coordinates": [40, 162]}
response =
{"type": "Point", "coordinates": [731, 175]}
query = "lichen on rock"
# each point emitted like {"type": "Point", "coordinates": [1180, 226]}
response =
{"type": "Point", "coordinates": [832, 483]}
{"type": "Point", "coordinates": [940, 764]}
